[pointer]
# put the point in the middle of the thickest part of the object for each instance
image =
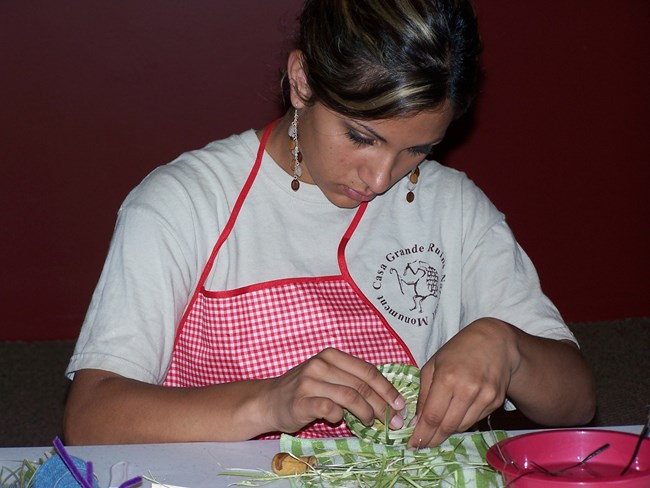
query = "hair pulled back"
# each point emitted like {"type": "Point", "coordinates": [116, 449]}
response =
{"type": "Point", "coordinates": [372, 59]}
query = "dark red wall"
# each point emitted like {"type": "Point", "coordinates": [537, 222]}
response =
{"type": "Point", "coordinates": [94, 94]}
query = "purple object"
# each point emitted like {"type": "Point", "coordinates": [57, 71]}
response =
{"type": "Point", "coordinates": [66, 471]}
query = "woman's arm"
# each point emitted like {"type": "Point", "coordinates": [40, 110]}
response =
{"type": "Point", "coordinates": [105, 408]}
{"type": "Point", "coordinates": [470, 376]}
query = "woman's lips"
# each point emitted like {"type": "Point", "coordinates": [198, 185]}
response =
{"type": "Point", "coordinates": [359, 197]}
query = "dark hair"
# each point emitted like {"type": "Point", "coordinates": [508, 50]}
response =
{"type": "Point", "coordinates": [374, 59]}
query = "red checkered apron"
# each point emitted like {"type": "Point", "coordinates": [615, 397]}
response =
{"type": "Point", "coordinates": [263, 330]}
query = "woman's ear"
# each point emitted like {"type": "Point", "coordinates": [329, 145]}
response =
{"type": "Point", "coordinates": [300, 92]}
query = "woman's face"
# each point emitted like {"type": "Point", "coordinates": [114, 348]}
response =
{"type": "Point", "coordinates": [353, 161]}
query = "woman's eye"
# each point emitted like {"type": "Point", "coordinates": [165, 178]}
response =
{"type": "Point", "coordinates": [420, 150]}
{"type": "Point", "coordinates": [360, 140]}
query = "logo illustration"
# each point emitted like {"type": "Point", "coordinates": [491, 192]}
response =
{"type": "Point", "coordinates": [419, 280]}
{"type": "Point", "coordinates": [408, 284]}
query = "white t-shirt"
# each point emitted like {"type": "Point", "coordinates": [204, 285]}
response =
{"type": "Point", "coordinates": [430, 267]}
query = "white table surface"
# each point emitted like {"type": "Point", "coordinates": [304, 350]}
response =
{"type": "Point", "coordinates": [192, 465]}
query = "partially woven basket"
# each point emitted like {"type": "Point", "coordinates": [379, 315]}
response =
{"type": "Point", "coordinates": [406, 379]}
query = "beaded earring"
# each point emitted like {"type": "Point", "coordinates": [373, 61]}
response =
{"type": "Point", "coordinates": [295, 151]}
{"type": "Point", "coordinates": [413, 179]}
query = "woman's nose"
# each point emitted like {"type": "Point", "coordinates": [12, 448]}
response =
{"type": "Point", "coordinates": [377, 173]}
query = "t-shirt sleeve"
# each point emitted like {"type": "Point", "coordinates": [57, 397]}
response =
{"type": "Point", "coordinates": [499, 279]}
{"type": "Point", "coordinates": [144, 287]}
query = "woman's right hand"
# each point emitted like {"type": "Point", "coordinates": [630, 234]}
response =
{"type": "Point", "coordinates": [326, 384]}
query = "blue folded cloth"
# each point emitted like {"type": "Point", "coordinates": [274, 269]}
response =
{"type": "Point", "coordinates": [55, 474]}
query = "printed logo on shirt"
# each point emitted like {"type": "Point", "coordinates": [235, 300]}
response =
{"type": "Point", "coordinates": [409, 282]}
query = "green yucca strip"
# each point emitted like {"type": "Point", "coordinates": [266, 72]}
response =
{"type": "Point", "coordinates": [386, 420]}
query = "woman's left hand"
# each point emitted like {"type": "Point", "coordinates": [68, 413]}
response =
{"type": "Point", "coordinates": [464, 381]}
{"type": "Point", "coordinates": [469, 377]}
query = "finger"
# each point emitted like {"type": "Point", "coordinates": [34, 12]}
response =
{"type": "Point", "coordinates": [443, 409]}
{"type": "Point", "coordinates": [368, 382]}
{"type": "Point", "coordinates": [331, 400]}
{"type": "Point", "coordinates": [426, 378]}
{"type": "Point", "coordinates": [479, 410]}
{"type": "Point", "coordinates": [367, 375]}
{"type": "Point", "coordinates": [429, 418]}
{"type": "Point", "coordinates": [463, 410]}
{"type": "Point", "coordinates": [356, 394]}
{"type": "Point", "coordinates": [322, 408]}
{"type": "Point", "coordinates": [325, 375]}
{"type": "Point", "coordinates": [474, 414]}
{"type": "Point", "coordinates": [316, 399]}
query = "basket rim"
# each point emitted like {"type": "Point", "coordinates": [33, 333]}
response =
{"type": "Point", "coordinates": [396, 373]}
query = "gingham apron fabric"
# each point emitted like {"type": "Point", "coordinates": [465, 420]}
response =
{"type": "Point", "coordinates": [263, 330]}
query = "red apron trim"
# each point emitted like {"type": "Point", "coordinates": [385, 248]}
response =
{"type": "Point", "coordinates": [343, 265]}
{"type": "Point", "coordinates": [229, 226]}
{"type": "Point", "coordinates": [267, 284]}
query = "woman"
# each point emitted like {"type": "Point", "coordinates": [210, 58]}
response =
{"type": "Point", "coordinates": [252, 286]}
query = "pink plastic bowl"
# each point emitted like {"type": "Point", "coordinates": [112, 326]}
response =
{"type": "Point", "coordinates": [559, 449]}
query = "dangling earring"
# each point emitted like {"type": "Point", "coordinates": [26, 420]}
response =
{"type": "Point", "coordinates": [413, 179]}
{"type": "Point", "coordinates": [295, 150]}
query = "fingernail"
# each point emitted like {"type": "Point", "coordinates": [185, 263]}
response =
{"type": "Point", "coordinates": [399, 403]}
{"type": "Point", "coordinates": [413, 446]}
{"type": "Point", "coordinates": [396, 422]}
{"type": "Point", "coordinates": [404, 413]}
{"type": "Point", "coordinates": [414, 420]}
